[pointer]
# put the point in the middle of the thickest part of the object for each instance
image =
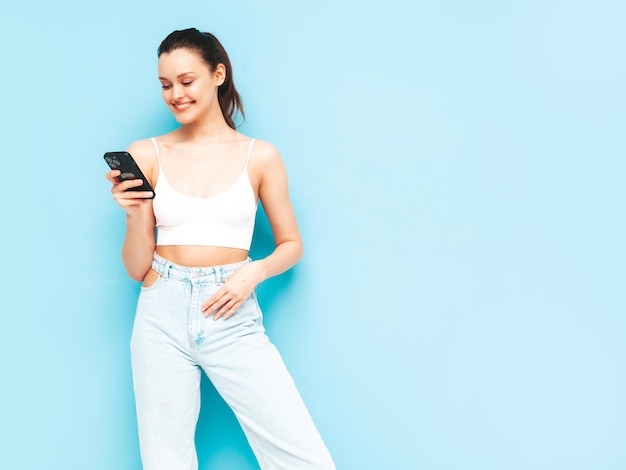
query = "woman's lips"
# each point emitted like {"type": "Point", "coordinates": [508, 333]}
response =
{"type": "Point", "coordinates": [182, 106]}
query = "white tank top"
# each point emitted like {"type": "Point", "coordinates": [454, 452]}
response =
{"type": "Point", "coordinates": [225, 219]}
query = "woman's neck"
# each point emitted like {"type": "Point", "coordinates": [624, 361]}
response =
{"type": "Point", "coordinates": [208, 131]}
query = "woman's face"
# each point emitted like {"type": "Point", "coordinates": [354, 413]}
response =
{"type": "Point", "coordinates": [189, 86]}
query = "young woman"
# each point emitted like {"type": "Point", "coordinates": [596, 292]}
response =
{"type": "Point", "coordinates": [197, 310]}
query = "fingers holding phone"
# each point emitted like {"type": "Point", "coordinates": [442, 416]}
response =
{"type": "Point", "coordinates": [129, 192]}
{"type": "Point", "coordinates": [131, 189]}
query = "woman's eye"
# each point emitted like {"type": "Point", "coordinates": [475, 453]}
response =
{"type": "Point", "coordinates": [187, 83]}
{"type": "Point", "coordinates": [166, 87]}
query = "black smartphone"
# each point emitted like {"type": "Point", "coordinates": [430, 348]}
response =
{"type": "Point", "coordinates": [124, 162]}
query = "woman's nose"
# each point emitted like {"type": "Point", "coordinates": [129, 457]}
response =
{"type": "Point", "coordinates": [178, 91]}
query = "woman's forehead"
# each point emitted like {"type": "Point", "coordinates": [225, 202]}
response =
{"type": "Point", "coordinates": [179, 59]}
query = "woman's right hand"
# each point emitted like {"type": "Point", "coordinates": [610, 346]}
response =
{"type": "Point", "coordinates": [131, 201]}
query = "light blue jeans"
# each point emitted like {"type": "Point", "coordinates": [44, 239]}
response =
{"type": "Point", "coordinates": [172, 342]}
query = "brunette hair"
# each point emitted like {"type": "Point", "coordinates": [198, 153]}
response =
{"type": "Point", "coordinates": [213, 53]}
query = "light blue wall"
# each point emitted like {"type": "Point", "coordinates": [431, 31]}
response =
{"type": "Point", "coordinates": [457, 168]}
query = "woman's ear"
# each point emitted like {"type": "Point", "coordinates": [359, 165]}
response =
{"type": "Point", "coordinates": [220, 74]}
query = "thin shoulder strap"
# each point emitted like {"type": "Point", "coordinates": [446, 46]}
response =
{"type": "Point", "coordinates": [156, 149]}
{"type": "Point", "coordinates": [249, 152]}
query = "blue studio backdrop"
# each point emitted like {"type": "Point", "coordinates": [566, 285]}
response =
{"type": "Point", "coordinates": [457, 169]}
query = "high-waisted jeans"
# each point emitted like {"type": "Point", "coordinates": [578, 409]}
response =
{"type": "Point", "coordinates": [172, 342]}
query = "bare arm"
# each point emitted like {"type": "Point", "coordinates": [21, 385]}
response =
{"type": "Point", "coordinates": [140, 241]}
{"type": "Point", "coordinates": [274, 195]}
{"type": "Point", "coordinates": [273, 192]}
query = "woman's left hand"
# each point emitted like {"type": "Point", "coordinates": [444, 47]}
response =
{"type": "Point", "coordinates": [234, 292]}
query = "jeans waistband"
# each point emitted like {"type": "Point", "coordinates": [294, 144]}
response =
{"type": "Point", "coordinates": [208, 274]}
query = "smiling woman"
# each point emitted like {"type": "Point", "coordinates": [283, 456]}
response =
{"type": "Point", "coordinates": [214, 56]}
{"type": "Point", "coordinates": [197, 309]}
{"type": "Point", "coordinates": [184, 90]}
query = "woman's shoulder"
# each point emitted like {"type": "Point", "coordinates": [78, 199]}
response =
{"type": "Point", "coordinates": [266, 162]}
{"type": "Point", "coordinates": [144, 153]}
{"type": "Point", "coordinates": [264, 152]}
{"type": "Point", "coordinates": [141, 149]}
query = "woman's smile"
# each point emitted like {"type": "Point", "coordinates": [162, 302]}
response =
{"type": "Point", "coordinates": [182, 106]}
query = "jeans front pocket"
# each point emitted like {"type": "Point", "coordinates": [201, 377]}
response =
{"type": "Point", "coordinates": [151, 281]}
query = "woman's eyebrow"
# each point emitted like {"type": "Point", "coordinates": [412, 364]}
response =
{"type": "Point", "coordinates": [178, 76]}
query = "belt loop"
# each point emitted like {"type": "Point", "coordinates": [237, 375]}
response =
{"type": "Point", "coordinates": [218, 275]}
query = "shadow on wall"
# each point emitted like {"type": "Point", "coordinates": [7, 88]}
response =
{"type": "Point", "coordinates": [220, 442]}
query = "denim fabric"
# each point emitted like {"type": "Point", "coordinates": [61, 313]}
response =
{"type": "Point", "coordinates": [172, 342]}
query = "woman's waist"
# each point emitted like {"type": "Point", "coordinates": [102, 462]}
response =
{"type": "Point", "coordinates": [214, 274]}
{"type": "Point", "coordinates": [193, 256]}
